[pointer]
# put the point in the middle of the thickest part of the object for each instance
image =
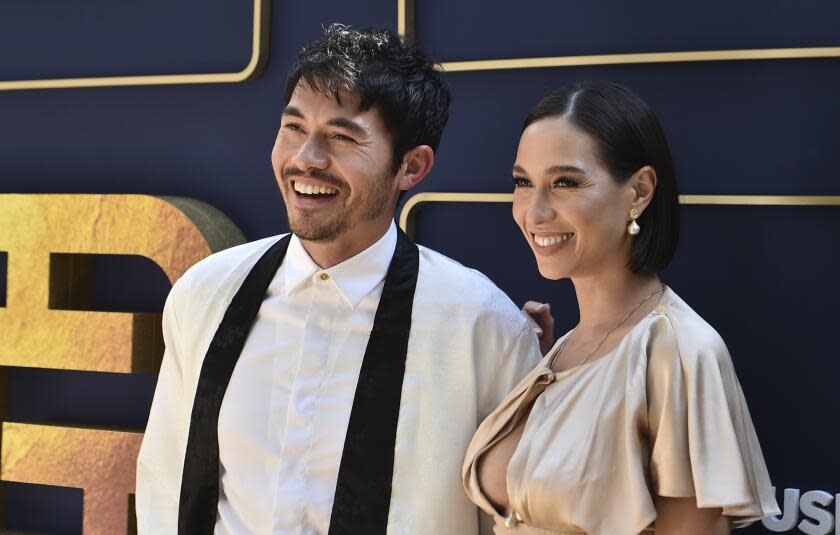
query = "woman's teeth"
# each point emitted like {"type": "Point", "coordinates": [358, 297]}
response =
{"type": "Point", "coordinates": [309, 189]}
{"type": "Point", "coordinates": [545, 241]}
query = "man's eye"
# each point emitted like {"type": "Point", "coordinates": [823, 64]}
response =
{"type": "Point", "coordinates": [342, 137]}
{"type": "Point", "coordinates": [291, 126]}
{"type": "Point", "coordinates": [521, 182]}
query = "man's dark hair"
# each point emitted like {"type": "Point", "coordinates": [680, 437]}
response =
{"type": "Point", "coordinates": [629, 137]}
{"type": "Point", "coordinates": [397, 79]}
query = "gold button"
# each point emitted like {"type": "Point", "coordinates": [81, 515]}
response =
{"type": "Point", "coordinates": [325, 276]}
{"type": "Point", "coordinates": [513, 520]}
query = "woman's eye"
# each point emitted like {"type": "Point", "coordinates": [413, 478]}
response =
{"type": "Point", "coordinates": [520, 182]}
{"type": "Point", "coordinates": [563, 182]}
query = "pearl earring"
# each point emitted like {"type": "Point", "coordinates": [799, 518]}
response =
{"type": "Point", "coordinates": [633, 228]}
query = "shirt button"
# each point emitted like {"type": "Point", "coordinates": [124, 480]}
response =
{"type": "Point", "coordinates": [325, 276]}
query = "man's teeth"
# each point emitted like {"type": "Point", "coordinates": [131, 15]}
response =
{"type": "Point", "coordinates": [545, 241]}
{"type": "Point", "coordinates": [309, 189]}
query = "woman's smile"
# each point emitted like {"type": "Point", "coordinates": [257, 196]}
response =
{"type": "Point", "coordinates": [546, 243]}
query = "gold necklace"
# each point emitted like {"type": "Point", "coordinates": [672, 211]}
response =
{"type": "Point", "coordinates": [620, 323]}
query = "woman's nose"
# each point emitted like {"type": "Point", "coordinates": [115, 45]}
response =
{"type": "Point", "coordinates": [540, 210]}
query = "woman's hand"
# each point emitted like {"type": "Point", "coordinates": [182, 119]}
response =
{"type": "Point", "coordinates": [539, 315]}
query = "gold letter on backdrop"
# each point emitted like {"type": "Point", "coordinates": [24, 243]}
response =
{"type": "Point", "coordinates": [45, 324]}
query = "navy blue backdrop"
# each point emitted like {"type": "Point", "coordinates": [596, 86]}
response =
{"type": "Point", "coordinates": [764, 276]}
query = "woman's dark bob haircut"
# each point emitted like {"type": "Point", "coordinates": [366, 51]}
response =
{"type": "Point", "coordinates": [629, 137]}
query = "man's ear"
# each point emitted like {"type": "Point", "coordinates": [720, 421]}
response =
{"type": "Point", "coordinates": [415, 166]}
{"type": "Point", "coordinates": [642, 186]}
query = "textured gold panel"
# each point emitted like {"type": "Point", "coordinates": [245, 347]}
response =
{"type": "Point", "coordinates": [405, 25]}
{"type": "Point", "coordinates": [99, 461]}
{"type": "Point", "coordinates": [408, 214]}
{"type": "Point", "coordinates": [259, 57]}
{"type": "Point", "coordinates": [174, 233]}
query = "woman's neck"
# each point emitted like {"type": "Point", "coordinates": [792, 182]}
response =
{"type": "Point", "coordinates": [604, 299]}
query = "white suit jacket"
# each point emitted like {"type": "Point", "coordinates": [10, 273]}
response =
{"type": "Point", "coordinates": [469, 345]}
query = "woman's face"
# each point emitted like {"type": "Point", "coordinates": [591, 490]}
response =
{"type": "Point", "coordinates": [573, 214]}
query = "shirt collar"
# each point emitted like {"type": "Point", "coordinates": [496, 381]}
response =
{"type": "Point", "coordinates": [354, 278]}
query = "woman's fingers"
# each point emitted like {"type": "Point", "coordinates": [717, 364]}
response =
{"type": "Point", "coordinates": [539, 314]}
{"type": "Point", "coordinates": [536, 326]}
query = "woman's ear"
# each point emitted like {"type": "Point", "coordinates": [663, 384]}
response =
{"type": "Point", "coordinates": [642, 186]}
{"type": "Point", "coordinates": [415, 166]}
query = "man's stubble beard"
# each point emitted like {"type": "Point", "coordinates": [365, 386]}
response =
{"type": "Point", "coordinates": [372, 207]}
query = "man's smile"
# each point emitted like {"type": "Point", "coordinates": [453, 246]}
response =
{"type": "Point", "coordinates": [310, 189]}
{"type": "Point", "coordinates": [308, 194]}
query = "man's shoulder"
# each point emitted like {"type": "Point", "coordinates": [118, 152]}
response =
{"type": "Point", "coordinates": [225, 267]}
{"type": "Point", "coordinates": [462, 286]}
{"type": "Point", "coordinates": [465, 304]}
{"type": "Point", "coordinates": [450, 272]}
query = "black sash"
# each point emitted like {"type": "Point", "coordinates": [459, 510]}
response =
{"type": "Point", "coordinates": [363, 490]}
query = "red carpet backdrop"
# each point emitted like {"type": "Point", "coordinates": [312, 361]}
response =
{"type": "Point", "coordinates": [135, 140]}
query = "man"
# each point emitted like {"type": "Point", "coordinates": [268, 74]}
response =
{"type": "Point", "coordinates": [329, 381]}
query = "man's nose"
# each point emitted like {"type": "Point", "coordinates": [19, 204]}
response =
{"type": "Point", "coordinates": [311, 155]}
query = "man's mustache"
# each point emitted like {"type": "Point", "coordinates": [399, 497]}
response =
{"type": "Point", "coordinates": [322, 176]}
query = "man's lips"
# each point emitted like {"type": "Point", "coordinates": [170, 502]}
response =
{"type": "Point", "coordinates": [309, 194]}
{"type": "Point", "coordinates": [305, 187]}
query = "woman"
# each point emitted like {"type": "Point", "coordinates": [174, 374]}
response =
{"type": "Point", "coordinates": [634, 420]}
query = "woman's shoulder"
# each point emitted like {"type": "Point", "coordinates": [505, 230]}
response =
{"type": "Point", "coordinates": [680, 331]}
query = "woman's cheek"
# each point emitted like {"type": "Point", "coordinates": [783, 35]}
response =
{"type": "Point", "coordinates": [518, 212]}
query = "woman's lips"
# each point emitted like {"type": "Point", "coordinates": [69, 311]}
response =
{"type": "Point", "coordinates": [549, 243]}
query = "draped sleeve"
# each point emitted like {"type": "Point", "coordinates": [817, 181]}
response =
{"type": "Point", "coordinates": [702, 439]}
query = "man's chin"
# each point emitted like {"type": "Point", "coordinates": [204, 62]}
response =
{"type": "Point", "coordinates": [317, 234]}
{"type": "Point", "coordinates": [315, 238]}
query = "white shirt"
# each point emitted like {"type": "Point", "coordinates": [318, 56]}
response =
{"type": "Point", "coordinates": [286, 410]}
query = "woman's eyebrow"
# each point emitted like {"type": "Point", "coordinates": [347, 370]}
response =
{"type": "Point", "coordinates": [554, 169]}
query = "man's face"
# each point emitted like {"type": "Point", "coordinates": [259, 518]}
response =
{"type": "Point", "coordinates": [333, 165]}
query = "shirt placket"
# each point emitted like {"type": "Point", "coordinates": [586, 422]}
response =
{"type": "Point", "coordinates": [296, 494]}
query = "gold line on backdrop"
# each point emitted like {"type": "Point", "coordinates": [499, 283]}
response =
{"type": "Point", "coordinates": [405, 25]}
{"type": "Point", "coordinates": [259, 56]}
{"type": "Point", "coordinates": [405, 18]}
{"type": "Point", "coordinates": [408, 214]}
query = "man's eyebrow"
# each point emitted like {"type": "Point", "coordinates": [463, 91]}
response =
{"type": "Point", "coordinates": [294, 112]}
{"type": "Point", "coordinates": [348, 124]}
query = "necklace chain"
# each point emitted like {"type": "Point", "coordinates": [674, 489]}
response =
{"type": "Point", "coordinates": [619, 324]}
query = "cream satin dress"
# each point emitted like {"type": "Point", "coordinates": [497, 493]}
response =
{"type": "Point", "coordinates": [661, 414]}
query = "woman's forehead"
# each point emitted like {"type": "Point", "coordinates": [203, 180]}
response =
{"type": "Point", "coordinates": [555, 142]}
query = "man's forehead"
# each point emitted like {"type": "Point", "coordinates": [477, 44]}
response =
{"type": "Point", "coordinates": [308, 95]}
{"type": "Point", "coordinates": [314, 103]}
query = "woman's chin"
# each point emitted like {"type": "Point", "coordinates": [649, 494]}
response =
{"type": "Point", "coordinates": [552, 272]}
